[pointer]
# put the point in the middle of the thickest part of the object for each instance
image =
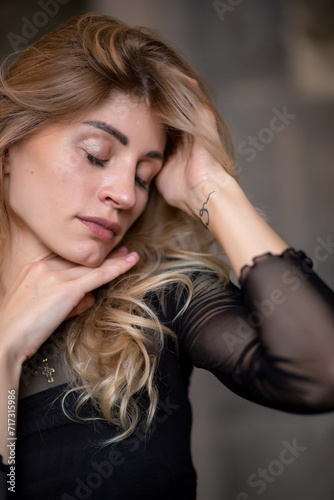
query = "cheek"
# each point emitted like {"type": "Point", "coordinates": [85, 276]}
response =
{"type": "Point", "coordinates": [72, 177]}
{"type": "Point", "coordinates": [142, 204]}
{"type": "Point", "coordinates": [31, 189]}
{"type": "Point", "coordinates": [21, 190]}
{"type": "Point", "coordinates": [132, 216]}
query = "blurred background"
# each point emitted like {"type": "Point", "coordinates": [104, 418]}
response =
{"type": "Point", "coordinates": [271, 66]}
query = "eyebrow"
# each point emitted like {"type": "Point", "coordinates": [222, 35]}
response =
{"type": "Point", "coordinates": [123, 139]}
{"type": "Point", "coordinates": [155, 155]}
{"type": "Point", "coordinates": [110, 130]}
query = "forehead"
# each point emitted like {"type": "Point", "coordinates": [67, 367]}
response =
{"type": "Point", "coordinates": [129, 113]}
{"type": "Point", "coordinates": [122, 106]}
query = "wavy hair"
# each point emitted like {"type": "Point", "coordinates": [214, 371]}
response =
{"type": "Point", "coordinates": [113, 348]}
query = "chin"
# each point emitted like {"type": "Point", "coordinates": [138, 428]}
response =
{"type": "Point", "coordinates": [87, 258]}
{"type": "Point", "coordinates": [91, 261]}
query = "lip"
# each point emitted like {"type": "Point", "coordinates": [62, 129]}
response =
{"type": "Point", "coordinates": [102, 228]}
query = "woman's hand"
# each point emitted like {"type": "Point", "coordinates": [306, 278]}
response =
{"type": "Point", "coordinates": [190, 175]}
{"type": "Point", "coordinates": [188, 170]}
{"type": "Point", "coordinates": [47, 292]}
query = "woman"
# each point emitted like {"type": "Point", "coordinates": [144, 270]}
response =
{"type": "Point", "coordinates": [117, 172]}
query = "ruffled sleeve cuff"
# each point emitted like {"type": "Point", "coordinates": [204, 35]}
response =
{"type": "Point", "coordinates": [290, 254]}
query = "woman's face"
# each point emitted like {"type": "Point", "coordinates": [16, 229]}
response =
{"type": "Point", "coordinates": [77, 188]}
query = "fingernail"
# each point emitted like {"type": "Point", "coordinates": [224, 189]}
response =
{"type": "Point", "coordinates": [131, 257]}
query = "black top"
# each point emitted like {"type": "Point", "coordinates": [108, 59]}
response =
{"type": "Point", "coordinates": [271, 342]}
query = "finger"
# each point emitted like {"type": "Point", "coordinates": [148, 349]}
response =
{"type": "Point", "coordinates": [89, 299]}
{"type": "Point", "coordinates": [77, 271]}
{"type": "Point", "coordinates": [100, 276]}
{"type": "Point", "coordinates": [116, 253]}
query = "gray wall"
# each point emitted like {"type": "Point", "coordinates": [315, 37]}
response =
{"type": "Point", "coordinates": [262, 57]}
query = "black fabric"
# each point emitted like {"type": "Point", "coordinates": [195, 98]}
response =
{"type": "Point", "coordinates": [272, 342]}
{"type": "Point", "coordinates": [4, 480]}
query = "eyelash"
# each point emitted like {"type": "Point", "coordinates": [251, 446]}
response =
{"type": "Point", "coordinates": [141, 183]}
{"type": "Point", "coordinates": [102, 163]}
{"type": "Point", "coordinates": [96, 161]}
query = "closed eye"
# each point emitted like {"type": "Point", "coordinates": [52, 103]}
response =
{"type": "Point", "coordinates": [141, 183]}
{"type": "Point", "coordinates": [96, 161]}
{"type": "Point", "coordinates": [102, 163]}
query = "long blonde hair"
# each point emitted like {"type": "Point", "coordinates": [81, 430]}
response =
{"type": "Point", "coordinates": [113, 349]}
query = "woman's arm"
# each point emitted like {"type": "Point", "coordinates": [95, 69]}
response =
{"type": "Point", "coordinates": [40, 297]}
{"type": "Point", "coordinates": [273, 342]}
{"type": "Point", "coordinates": [9, 384]}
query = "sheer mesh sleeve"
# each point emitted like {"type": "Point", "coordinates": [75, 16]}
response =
{"type": "Point", "coordinates": [271, 342]}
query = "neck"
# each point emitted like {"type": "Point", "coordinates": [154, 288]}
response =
{"type": "Point", "coordinates": [21, 250]}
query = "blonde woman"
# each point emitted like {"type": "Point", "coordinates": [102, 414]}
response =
{"type": "Point", "coordinates": [117, 171]}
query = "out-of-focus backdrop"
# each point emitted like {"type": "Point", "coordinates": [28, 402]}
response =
{"type": "Point", "coordinates": [271, 64]}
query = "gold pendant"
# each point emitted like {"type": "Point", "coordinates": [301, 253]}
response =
{"type": "Point", "coordinates": [47, 371]}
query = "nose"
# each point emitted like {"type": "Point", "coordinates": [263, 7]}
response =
{"type": "Point", "coordinates": [118, 188]}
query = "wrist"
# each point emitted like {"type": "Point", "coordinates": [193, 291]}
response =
{"type": "Point", "coordinates": [10, 368]}
{"type": "Point", "coordinates": [206, 194]}
{"type": "Point", "coordinates": [236, 224]}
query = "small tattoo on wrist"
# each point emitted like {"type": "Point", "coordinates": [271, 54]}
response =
{"type": "Point", "coordinates": [204, 212]}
